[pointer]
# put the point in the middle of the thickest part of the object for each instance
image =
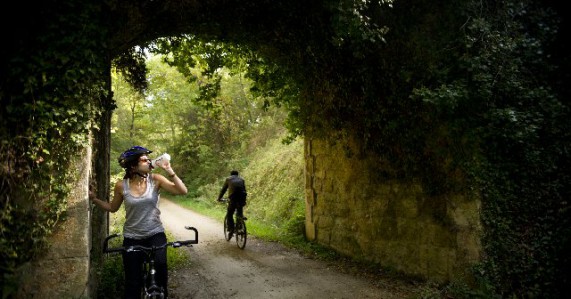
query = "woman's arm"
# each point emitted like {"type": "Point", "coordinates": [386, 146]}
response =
{"type": "Point", "coordinates": [176, 186]}
{"type": "Point", "coordinates": [115, 204]}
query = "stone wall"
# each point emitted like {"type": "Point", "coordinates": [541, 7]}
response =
{"type": "Point", "coordinates": [352, 209]}
{"type": "Point", "coordinates": [63, 272]}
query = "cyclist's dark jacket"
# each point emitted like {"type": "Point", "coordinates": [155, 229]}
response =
{"type": "Point", "coordinates": [236, 189]}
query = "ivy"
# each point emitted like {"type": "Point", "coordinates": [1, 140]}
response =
{"type": "Point", "coordinates": [515, 118]}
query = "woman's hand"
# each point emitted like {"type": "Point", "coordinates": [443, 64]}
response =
{"type": "Point", "coordinates": [92, 196]}
{"type": "Point", "coordinates": [91, 192]}
{"type": "Point", "coordinates": [166, 165]}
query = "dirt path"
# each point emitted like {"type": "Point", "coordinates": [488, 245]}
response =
{"type": "Point", "coordinates": [219, 269]}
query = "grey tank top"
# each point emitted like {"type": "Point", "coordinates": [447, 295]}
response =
{"type": "Point", "coordinates": [142, 218]}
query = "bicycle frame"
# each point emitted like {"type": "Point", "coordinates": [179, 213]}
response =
{"type": "Point", "coordinates": [150, 287]}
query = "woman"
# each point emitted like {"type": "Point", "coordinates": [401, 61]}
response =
{"type": "Point", "coordinates": [139, 190]}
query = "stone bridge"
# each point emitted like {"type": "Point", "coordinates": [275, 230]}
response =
{"type": "Point", "coordinates": [349, 207]}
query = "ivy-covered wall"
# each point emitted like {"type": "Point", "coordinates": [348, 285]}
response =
{"type": "Point", "coordinates": [393, 222]}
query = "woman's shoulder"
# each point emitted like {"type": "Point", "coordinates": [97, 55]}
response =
{"type": "Point", "coordinates": [119, 184]}
{"type": "Point", "coordinates": [157, 178]}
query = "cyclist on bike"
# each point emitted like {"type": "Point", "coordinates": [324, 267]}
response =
{"type": "Point", "coordinates": [140, 191]}
{"type": "Point", "coordinates": [237, 194]}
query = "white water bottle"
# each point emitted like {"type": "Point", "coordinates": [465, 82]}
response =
{"type": "Point", "coordinates": [160, 160]}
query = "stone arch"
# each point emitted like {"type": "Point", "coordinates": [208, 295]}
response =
{"type": "Point", "coordinates": [349, 208]}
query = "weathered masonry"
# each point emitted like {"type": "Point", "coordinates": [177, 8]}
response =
{"type": "Point", "coordinates": [350, 209]}
{"type": "Point", "coordinates": [64, 270]}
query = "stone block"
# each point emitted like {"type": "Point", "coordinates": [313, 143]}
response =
{"type": "Point", "coordinates": [440, 261]}
{"type": "Point", "coordinates": [407, 207]}
{"type": "Point", "coordinates": [55, 279]}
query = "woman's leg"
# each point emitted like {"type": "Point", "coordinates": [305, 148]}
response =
{"type": "Point", "coordinates": [161, 261]}
{"type": "Point", "coordinates": [133, 266]}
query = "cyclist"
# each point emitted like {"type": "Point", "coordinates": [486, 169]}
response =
{"type": "Point", "coordinates": [140, 191]}
{"type": "Point", "coordinates": [237, 194]}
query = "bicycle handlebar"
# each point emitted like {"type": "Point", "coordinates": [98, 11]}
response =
{"type": "Point", "coordinates": [174, 244]}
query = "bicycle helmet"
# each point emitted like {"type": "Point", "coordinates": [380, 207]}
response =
{"type": "Point", "coordinates": [132, 154]}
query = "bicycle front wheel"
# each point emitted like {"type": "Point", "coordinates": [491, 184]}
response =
{"type": "Point", "coordinates": [226, 232]}
{"type": "Point", "coordinates": [241, 233]}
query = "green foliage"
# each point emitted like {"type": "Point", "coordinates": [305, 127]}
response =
{"type": "Point", "coordinates": [151, 118]}
{"type": "Point", "coordinates": [275, 194]}
{"type": "Point", "coordinates": [509, 110]}
{"type": "Point", "coordinates": [111, 284]}
{"type": "Point", "coordinates": [133, 68]}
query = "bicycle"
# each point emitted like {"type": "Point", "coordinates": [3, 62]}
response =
{"type": "Point", "coordinates": [240, 231]}
{"type": "Point", "coordinates": [150, 288]}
